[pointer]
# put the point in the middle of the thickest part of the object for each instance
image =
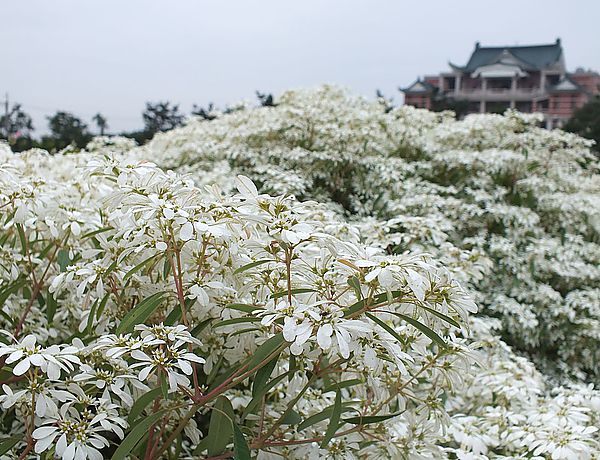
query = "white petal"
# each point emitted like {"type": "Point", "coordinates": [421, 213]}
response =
{"type": "Point", "coordinates": [246, 187]}
{"type": "Point", "coordinates": [324, 336]}
{"type": "Point", "coordinates": [69, 453]}
{"type": "Point", "coordinates": [187, 231]}
{"type": "Point", "coordinates": [22, 367]}
{"type": "Point", "coordinates": [44, 431]}
{"type": "Point", "coordinates": [44, 443]}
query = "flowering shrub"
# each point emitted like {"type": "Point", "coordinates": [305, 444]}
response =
{"type": "Point", "coordinates": [149, 313]}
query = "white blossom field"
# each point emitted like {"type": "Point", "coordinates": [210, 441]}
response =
{"type": "Point", "coordinates": [328, 278]}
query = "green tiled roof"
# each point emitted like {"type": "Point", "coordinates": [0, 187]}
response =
{"type": "Point", "coordinates": [534, 57]}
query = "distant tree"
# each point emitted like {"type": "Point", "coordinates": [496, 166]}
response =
{"type": "Point", "coordinates": [265, 99]}
{"type": "Point", "coordinates": [387, 103]}
{"type": "Point", "coordinates": [161, 117]}
{"type": "Point", "coordinates": [586, 121]}
{"type": "Point", "coordinates": [101, 123]}
{"type": "Point", "coordinates": [440, 102]}
{"type": "Point", "coordinates": [15, 124]}
{"type": "Point", "coordinates": [65, 129]}
{"type": "Point", "coordinates": [205, 113]}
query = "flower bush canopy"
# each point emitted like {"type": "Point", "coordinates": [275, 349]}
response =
{"type": "Point", "coordinates": [324, 278]}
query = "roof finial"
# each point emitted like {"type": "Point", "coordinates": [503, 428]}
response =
{"type": "Point", "coordinates": [477, 45]}
{"type": "Point", "coordinates": [558, 40]}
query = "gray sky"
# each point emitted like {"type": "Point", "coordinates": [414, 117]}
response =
{"type": "Point", "coordinates": [111, 56]}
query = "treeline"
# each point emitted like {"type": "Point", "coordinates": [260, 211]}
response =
{"type": "Point", "coordinates": [66, 129]}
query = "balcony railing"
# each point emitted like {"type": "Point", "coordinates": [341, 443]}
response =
{"type": "Point", "coordinates": [504, 93]}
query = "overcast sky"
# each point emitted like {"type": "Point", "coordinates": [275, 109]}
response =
{"type": "Point", "coordinates": [111, 56]}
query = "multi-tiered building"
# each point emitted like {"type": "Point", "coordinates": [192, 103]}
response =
{"type": "Point", "coordinates": [526, 78]}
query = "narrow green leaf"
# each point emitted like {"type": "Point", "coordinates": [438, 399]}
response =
{"type": "Point", "coordinates": [279, 294]}
{"type": "Point", "coordinates": [90, 321]}
{"type": "Point", "coordinates": [421, 327]}
{"type": "Point", "coordinates": [263, 374]}
{"type": "Point", "coordinates": [241, 451]}
{"type": "Point", "coordinates": [343, 384]}
{"type": "Point", "coordinates": [102, 305]}
{"type": "Point", "coordinates": [334, 420]}
{"type": "Point", "coordinates": [370, 419]}
{"type": "Point", "coordinates": [354, 283]}
{"type": "Point", "coordinates": [141, 403]}
{"type": "Point", "coordinates": [140, 313]}
{"type": "Point", "coordinates": [257, 399]}
{"type": "Point", "coordinates": [7, 444]}
{"type": "Point", "coordinates": [164, 386]}
{"type": "Point", "coordinates": [173, 316]}
{"type": "Point", "coordinates": [243, 268]}
{"type": "Point", "coordinates": [230, 322]}
{"type": "Point", "coordinates": [243, 307]}
{"type": "Point", "coordinates": [139, 266]}
{"type": "Point", "coordinates": [386, 327]}
{"type": "Point", "coordinates": [50, 307]}
{"type": "Point", "coordinates": [135, 435]}
{"type": "Point", "coordinates": [441, 316]}
{"type": "Point", "coordinates": [96, 232]}
{"type": "Point", "coordinates": [220, 426]}
{"type": "Point", "coordinates": [214, 371]}
{"type": "Point", "coordinates": [323, 415]}
{"type": "Point", "coordinates": [11, 289]}
{"type": "Point", "coordinates": [291, 418]}
{"type": "Point", "coordinates": [265, 350]}
{"type": "Point", "coordinates": [200, 327]}
{"type": "Point", "coordinates": [63, 259]}
{"type": "Point", "coordinates": [23, 239]}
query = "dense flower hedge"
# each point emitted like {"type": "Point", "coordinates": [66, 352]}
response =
{"type": "Point", "coordinates": [303, 281]}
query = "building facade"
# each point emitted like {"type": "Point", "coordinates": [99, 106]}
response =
{"type": "Point", "coordinates": [525, 78]}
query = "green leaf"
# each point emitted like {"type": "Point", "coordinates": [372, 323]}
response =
{"type": "Point", "coordinates": [265, 350]}
{"type": "Point", "coordinates": [173, 316]}
{"type": "Point", "coordinates": [241, 451]}
{"type": "Point", "coordinates": [139, 266]}
{"type": "Point", "coordinates": [23, 239]}
{"type": "Point", "coordinates": [257, 399]}
{"type": "Point", "coordinates": [343, 384]}
{"type": "Point", "coordinates": [386, 327]}
{"type": "Point", "coordinates": [90, 321]}
{"type": "Point", "coordinates": [63, 259]}
{"type": "Point", "coordinates": [243, 307]}
{"type": "Point", "coordinates": [102, 305]}
{"type": "Point", "coordinates": [279, 294]}
{"type": "Point", "coordinates": [421, 327]}
{"type": "Point", "coordinates": [270, 347]}
{"type": "Point", "coordinates": [11, 289]}
{"type": "Point", "coordinates": [334, 420]}
{"type": "Point", "coordinates": [96, 232]}
{"type": "Point", "coordinates": [243, 268]}
{"type": "Point", "coordinates": [220, 426]}
{"type": "Point", "coordinates": [140, 313]}
{"type": "Point", "coordinates": [50, 307]}
{"type": "Point", "coordinates": [164, 386]}
{"type": "Point", "coordinates": [135, 435]}
{"type": "Point", "coordinates": [354, 283]}
{"type": "Point", "coordinates": [323, 415]}
{"type": "Point", "coordinates": [230, 322]}
{"type": "Point", "coordinates": [7, 444]}
{"type": "Point", "coordinates": [141, 403]}
{"type": "Point", "coordinates": [291, 417]}
{"type": "Point", "coordinates": [200, 327]}
{"type": "Point", "coordinates": [441, 316]}
{"type": "Point", "coordinates": [370, 419]}
{"type": "Point", "coordinates": [263, 374]}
